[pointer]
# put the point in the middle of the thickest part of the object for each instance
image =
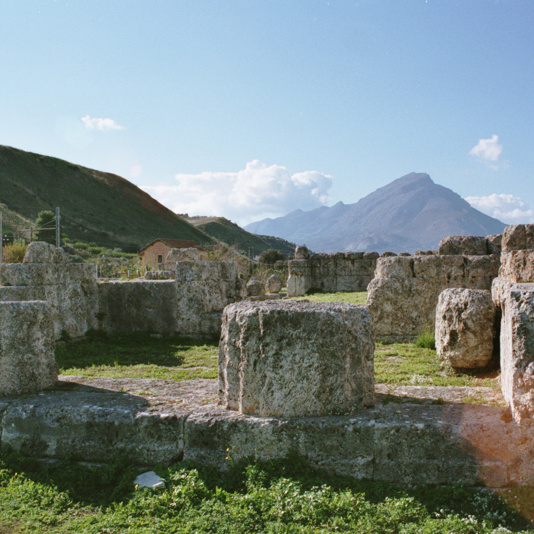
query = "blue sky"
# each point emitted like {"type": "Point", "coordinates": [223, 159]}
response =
{"type": "Point", "coordinates": [254, 108]}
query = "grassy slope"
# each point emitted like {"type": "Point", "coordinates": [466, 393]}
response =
{"type": "Point", "coordinates": [231, 234]}
{"type": "Point", "coordinates": [95, 206]}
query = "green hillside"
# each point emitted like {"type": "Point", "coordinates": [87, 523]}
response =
{"type": "Point", "coordinates": [230, 233]}
{"type": "Point", "coordinates": [96, 207]}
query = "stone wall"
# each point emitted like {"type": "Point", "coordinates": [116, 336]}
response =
{"type": "Point", "coordinates": [190, 304]}
{"type": "Point", "coordinates": [71, 289]}
{"type": "Point", "coordinates": [351, 271]}
{"type": "Point", "coordinates": [404, 293]}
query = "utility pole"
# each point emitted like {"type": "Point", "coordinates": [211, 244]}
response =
{"type": "Point", "coordinates": [1, 241]}
{"type": "Point", "coordinates": [58, 236]}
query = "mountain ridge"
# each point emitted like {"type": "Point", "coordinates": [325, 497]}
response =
{"type": "Point", "coordinates": [409, 213]}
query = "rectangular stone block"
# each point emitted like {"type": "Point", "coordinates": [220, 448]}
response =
{"type": "Point", "coordinates": [289, 358]}
{"type": "Point", "coordinates": [92, 426]}
{"type": "Point", "coordinates": [517, 266]}
{"type": "Point", "coordinates": [27, 362]}
{"type": "Point", "coordinates": [518, 237]}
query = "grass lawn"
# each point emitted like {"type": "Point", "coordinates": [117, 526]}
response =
{"type": "Point", "coordinates": [359, 297]}
{"type": "Point", "coordinates": [180, 358]}
{"type": "Point", "coordinates": [138, 356]}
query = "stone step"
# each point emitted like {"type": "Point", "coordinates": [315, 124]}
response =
{"type": "Point", "coordinates": [406, 438]}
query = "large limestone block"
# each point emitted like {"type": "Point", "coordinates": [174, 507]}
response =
{"type": "Point", "coordinates": [195, 271]}
{"type": "Point", "coordinates": [471, 245]}
{"type": "Point", "coordinates": [93, 425]}
{"type": "Point", "coordinates": [288, 358]}
{"type": "Point", "coordinates": [518, 237]}
{"type": "Point", "coordinates": [27, 360]}
{"type": "Point", "coordinates": [255, 288]}
{"type": "Point", "coordinates": [517, 350]}
{"type": "Point", "coordinates": [517, 266]}
{"type": "Point", "coordinates": [299, 280]}
{"type": "Point", "coordinates": [274, 283]}
{"type": "Point", "coordinates": [138, 306]}
{"type": "Point", "coordinates": [480, 271]}
{"type": "Point", "coordinates": [465, 327]}
{"type": "Point", "coordinates": [41, 252]}
{"type": "Point", "coordinates": [395, 267]}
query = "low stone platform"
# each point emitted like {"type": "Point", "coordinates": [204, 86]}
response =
{"type": "Point", "coordinates": [412, 435]}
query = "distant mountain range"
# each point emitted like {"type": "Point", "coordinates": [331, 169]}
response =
{"type": "Point", "coordinates": [103, 208]}
{"type": "Point", "coordinates": [411, 213]}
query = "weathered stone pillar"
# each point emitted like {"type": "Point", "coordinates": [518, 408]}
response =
{"type": "Point", "coordinates": [289, 358]}
{"type": "Point", "coordinates": [27, 362]}
{"type": "Point", "coordinates": [517, 350]}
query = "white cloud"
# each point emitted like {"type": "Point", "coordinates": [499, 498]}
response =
{"type": "Point", "coordinates": [102, 125]}
{"type": "Point", "coordinates": [256, 192]}
{"type": "Point", "coordinates": [507, 208]}
{"type": "Point", "coordinates": [487, 149]}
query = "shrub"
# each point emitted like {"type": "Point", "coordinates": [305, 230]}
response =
{"type": "Point", "coordinates": [426, 340]}
{"type": "Point", "coordinates": [14, 253]}
{"type": "Point", "coordinates": [271, 256]}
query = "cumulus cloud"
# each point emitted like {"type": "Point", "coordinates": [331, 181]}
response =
{"type": "Point", "coordinates": [487, 149]}
{"type": "Point", "coordinates": [253, 193]}
{"type": "Point", "coordinates": [507, 208]}
{"type": "Point", "coordinates": [100, 124]}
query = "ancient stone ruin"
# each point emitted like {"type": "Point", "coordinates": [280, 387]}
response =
{"type": "Point", "coordinates": [513, 291]}
{"type": "Point", "coordinates": [27, 360]}
{"type": "Point", "coordinates": [404, 293]}
{"type": "Point", "coordinates": [289, 358]}
{"type": "Point", "coordinates": [351, 271]}
{"type": "Point", "coordinates": [293, 376]}
{"type": "Point", "coordinates": [465, 327]}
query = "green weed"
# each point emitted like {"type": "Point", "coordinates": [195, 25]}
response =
{"type": "Point", "coordinates": [426, 340]}
{"type": "Point", "coordinates": [251, 496]}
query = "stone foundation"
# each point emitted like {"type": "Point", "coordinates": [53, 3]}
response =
{"type": "Point", "coordinates": [409, 441]}
{"type": "Point", "coordinates": [295, 358]}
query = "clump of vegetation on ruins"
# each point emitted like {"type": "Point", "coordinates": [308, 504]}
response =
{"type": "Point", "coordinates": [251, 496]}
{"type": "Point", "coordinates": [14, 252]}
{"type": "Point", "coordinates": [426, 340]}
{"type": "Point", "coordinates": [138, 356]}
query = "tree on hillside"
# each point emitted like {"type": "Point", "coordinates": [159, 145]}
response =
{"type": "Point", "coordinates": [46, 227]}
{"type": "Point", "coordinates": [271, 256]}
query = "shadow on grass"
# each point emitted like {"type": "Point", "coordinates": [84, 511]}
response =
{"type": "Point", "coordinates": [100, 349]}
